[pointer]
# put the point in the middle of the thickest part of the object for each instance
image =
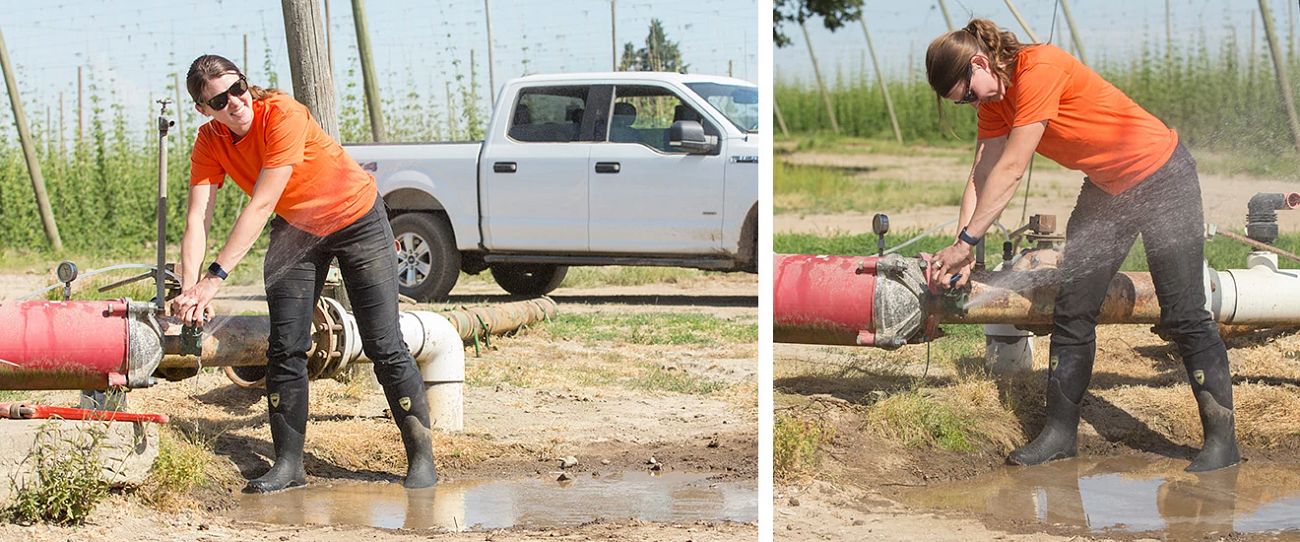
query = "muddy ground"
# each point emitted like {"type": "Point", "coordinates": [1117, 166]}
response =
{"type": "Point", "coordinates": [871, 452]}
{"type": "Point", "coordinates": [530, 400]}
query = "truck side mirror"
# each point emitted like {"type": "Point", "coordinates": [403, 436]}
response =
{"type": "Point", "coordinates": [688, 135]}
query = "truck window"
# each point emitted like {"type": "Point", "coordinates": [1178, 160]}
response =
{"type": "Point", "coordinates": [548, 114]}
{"type": "Point", "coordinates": [643, 114]}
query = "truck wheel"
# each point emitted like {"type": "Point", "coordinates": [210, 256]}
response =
{"type": "Point", "coordinates": [529, 279]}
{"type": "Point", "coordinates": [428, 263]}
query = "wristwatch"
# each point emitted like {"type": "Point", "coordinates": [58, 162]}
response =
{"type": "Point", "coordinates": [963, 237]}
{"type": "Point", "coordinates": [216, 271]}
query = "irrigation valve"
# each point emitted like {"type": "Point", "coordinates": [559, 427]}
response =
{"type": "Point", "coordinates": [880, 225]}
{"type": "Point", "coordinates": [67, 272]}
{"type": "Point", "coordinates": [163, 122]}
{"type": "Point", "coordinates": [191, 340]}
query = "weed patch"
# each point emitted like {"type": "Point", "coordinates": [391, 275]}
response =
{"type": "Point", "coordinates": [181, 467]}
{"type": "Point", "coordinates": [66, 482]}
{"type": "Point", "coordinates": [652, 328]}
{"type": "Point", "coordinates": [795, 444]}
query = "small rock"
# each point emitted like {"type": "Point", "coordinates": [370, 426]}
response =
{"type": "Point", "coordinates": [858, 522]}
{"type": "Point", "coordinates": [604, 461]}
{"type": "Point", "coordinates": [568, 462]}
{"type": "Point", "coordinates": [794, 501]}
{"type": "Point", "coordinates": [564, 476]}
{"type": "Point", "coordinates": [652, 461]}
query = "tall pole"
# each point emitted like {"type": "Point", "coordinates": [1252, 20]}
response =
{"type": "Point", "coordinates": [81, 107]}
{"type": "Point", "coordinates": [613, 34]}
{"type": "Point", "coordinates": [247, 67]}
{"type": "Point", "coordinates": [943, 6]}
{"type": "Point", "coordinates": [780, 119]}
{"type": "Point", "coordinates": [1016, 13]}
{"type": "Point", "coordinates": [329, 37]}
{"type": "Point", "coordinates": [1169, 32]}
{"type": "Point", "coordinates": [821, 85]}
{"type": "Point", "coordinates": [29, 153]}
{"type": "Point", "coordinates": [368, 72]}
{"type": "Point", "coordinates": [1074, 32]}
{"type": "Point", "coordinates": [884, 88]}
{"type": "Point", "coordinates": [1279, 65]}
{"type": "Point", "coordinates": [313, 83]}
{"type": "Point", "coordinates": [492, 79]}
{"type": "Point", "coordinates": [62, 146]}
{"type": "Point", "coordinates": [180, 109]}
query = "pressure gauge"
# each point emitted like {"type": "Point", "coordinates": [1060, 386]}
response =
{"type": "Point", "coordinates": [67, 271]}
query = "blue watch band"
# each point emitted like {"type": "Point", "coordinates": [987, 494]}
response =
{"type": "Point", "coordinates": [216, 271]}
{"type": "Point", "coordinates": [966, 238]}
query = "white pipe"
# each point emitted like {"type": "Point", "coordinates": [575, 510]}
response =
{"type": "Point", "coordinates": [440, 354]}
{"type": "Point", "coordinates": [1260, 295]}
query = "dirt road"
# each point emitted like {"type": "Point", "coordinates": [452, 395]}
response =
{"type": "Point", "coordinates": [609, 388]}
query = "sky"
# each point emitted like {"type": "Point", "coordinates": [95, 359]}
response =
{"type": "Point", "coordinates": [1111, 30]}
{"type": "Point", "coordinates": [130, 49]}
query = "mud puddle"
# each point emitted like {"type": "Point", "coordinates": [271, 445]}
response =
{"type": "Point", "coordinates": [1130, 494]}
{"type": "Point", "coordinates": [461, 505]}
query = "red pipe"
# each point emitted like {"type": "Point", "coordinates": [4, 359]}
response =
{"type": "Point", "coordinates": [824, 299]}
{"type": "Point", "coordinates": [63, 345]}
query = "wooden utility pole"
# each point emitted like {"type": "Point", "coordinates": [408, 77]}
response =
{"type": "Point", "coordinates": [943, 6]}
{"type": "Point", "coordinates": [247, 67]}
{"type": "Point", "coordinates": [1016, 13]}
{"type": "Point", "coordinates": [29, 152]}
{"type": "Point", "coordinates": [1074, 32]}
{"type": "Point", "coordinates": [81, 107]}
{"type": "Point", "coordinates": [492, 79]}
{"type": "Point", "coordinates": [884, 88]}
{"type": "Point", "coordinates": [329, 37]}
{"type": "Point", "coordinates": [313, 83]}
{"type": "Point", "coordinates": [821, 85]}
{"type": "Point", "coordinates": [1279, 65]}
{"type": "Point", "coordinates": [180, 109]}
{"type": "Point", "coordinates": [613, 34]}
{"type": "Point", "coordinates": [368, 73]}
{"type": "Point", "coordinates": [62, 145]}
{"type": "Point", "coordinates": [780, 119]}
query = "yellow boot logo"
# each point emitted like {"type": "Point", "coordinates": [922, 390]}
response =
{"type": "Point", "coordinates": [1054, 362]}
{"type": "Point", "coordinates": [405, 403]}
{"type": "Point", "coordinates": [275, 400]}
{"type": "Point", "coordinates": [1199, 375]}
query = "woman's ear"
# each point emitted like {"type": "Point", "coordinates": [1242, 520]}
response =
{"type": "Point", "coordinates": [980, 61]}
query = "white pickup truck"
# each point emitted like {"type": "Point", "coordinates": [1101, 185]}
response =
{"type": "Point", "coordinates": [622, 168]}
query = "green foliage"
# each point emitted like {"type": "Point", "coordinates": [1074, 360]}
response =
{"type": "Point", "coordinates": [819, 189]}
{"type": "Point", "coordinates": [659, 54]}
{"type": "Point", "coordinates": [67, 483]}
{"type": "Point", "coordinates": [833, 13]}
{"type": "Point", "coordinates": [1214, 101]}
{"type": "Point", "coordinates": [794, 446]}
{"type": "Point", "coordinates": [919, 420]}
{"type": "Point", "coordinates": [653, 328]}
{"type": "Point", "coordinates": [181, 467]}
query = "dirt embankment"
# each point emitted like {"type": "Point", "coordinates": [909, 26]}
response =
{"type": "Point", "coordinates": [613, 402]}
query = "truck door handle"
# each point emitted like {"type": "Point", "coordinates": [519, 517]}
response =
{"type": "Point", "coordinates": [505, 167]}
{"type": "Point", "coordinates": [608, 167]}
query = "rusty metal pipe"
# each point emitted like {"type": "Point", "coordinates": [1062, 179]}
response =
{"type": "Point", "coordinates": [1027, 298]}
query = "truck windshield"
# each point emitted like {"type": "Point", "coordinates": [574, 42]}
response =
{"type": "Point", "coordinates": [739, 103]}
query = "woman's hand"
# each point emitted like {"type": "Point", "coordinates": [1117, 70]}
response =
{"type": "Point", "coordinates": [953, 260]}
{"type": "Point", "coordinates": [193, 306]}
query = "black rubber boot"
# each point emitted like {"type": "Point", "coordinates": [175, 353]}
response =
{"type": "Point", "coordinates": [1212, 383]}
{"type": "Point", "coordinates": [287, 408]}
{"type": "Point", "coordinates": [410, 411]}
{"type": "Point", "coordinates": [1067, 380]}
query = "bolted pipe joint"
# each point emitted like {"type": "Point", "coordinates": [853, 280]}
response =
{"type": "Point", "coordinates": [1261, 214]}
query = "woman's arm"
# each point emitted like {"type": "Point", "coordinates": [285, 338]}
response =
{"type": "Point", "coordinates": [198, 218]}
{"type": "Point", "coordinates": [987, 153]}
{"type": "Point", "coordinates": [248, 227]}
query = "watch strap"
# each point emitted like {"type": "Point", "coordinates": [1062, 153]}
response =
{"type": "Point", "coordinates": [968, 238]}
{"type": "Point", "coordinates": [217, 271]}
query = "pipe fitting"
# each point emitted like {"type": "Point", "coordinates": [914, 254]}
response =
{"type": "Point", "coordinates": [1261, 214]}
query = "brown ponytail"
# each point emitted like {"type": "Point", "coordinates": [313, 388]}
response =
{"type": "Point", "coordinates": [947, 60]}
{"type": "Point", "coordinates": [213, 66]}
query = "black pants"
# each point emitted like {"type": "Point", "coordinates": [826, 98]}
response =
{"type": "Point", "coordinates": [1166, 209]}
{"type": "Point", "coordinates": [295, 269]}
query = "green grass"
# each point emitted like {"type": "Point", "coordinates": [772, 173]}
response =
{"type": "Point", "coordinates": [919, 420]}
{"type": "Point", "coordinates": [67, 484]}
{"type": "Point", "coordinates": [1221, 252]}
{"type": "Point", "coordinates": [181, 466]}
{"type": "Point", "coordinates": [795, 445]}
{"type": "Point", "coordinates": [652, 328]}
{"type": "Point", "coordinates": [653, 377]}
{"type": "Point", "coordinates": [799, 188]}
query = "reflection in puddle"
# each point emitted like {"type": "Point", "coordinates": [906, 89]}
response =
{"type": "Point", "coordinates": [1129, 494]}
{"type": "Point", "coordinates": [488, 504]}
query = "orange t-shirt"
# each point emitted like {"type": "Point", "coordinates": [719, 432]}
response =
{"type": "Point", "coordinates": [327, 189]}
{"type": "Point", "coordinates": [1092, 126]}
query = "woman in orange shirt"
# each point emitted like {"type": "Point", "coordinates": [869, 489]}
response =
{"type": "Point", "coordinates": [1140, 179]}
{"type": "Point", "coordinates": [327, 208]}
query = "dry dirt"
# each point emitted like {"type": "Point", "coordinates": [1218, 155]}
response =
{"type": "Point", "coordinates": [529, 401]}
{"type": "Point", "coordinates": [1138, 401]}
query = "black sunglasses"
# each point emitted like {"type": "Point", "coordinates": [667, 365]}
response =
{"type": "Point", "coordinates": [220, 101]}
{"type": "Point", "coordinates": [970, 92]}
